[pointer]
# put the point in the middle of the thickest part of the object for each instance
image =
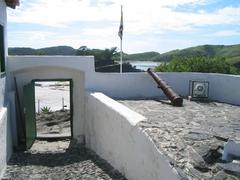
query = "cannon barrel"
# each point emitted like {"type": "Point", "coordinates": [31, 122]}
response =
{"type": "Point", "coordinates": [175, 99]}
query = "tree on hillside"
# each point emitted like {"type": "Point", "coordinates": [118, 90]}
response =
{"type": "Point", "coordinates": [104, 59]}
{"type": "Point", "coordinates": [100, 55]}
{"type": "Point", "coordinates": [198, 64]}
{"type": "Point", "coordinates": [109, 53]}
{"type": "Point", "coordinates": [83, 51]}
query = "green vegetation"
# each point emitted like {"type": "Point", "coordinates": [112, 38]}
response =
{"type": "Point", "coordinates": [100, 55]}
{"type": "Point", "coordinates": [230, 53]}
{"type": "Point", "coordinates": [198, 64]}
{"type": "Point", "coordinates": [107, 60]}
{"type": "Point", "coordinates": [21, 51]}
{"type": "Point", "coordinates": [146, 56]}
{"type": "Point", "coordinates": [46, 109]}
{"type": "Point", "coordinates": [58, 50]}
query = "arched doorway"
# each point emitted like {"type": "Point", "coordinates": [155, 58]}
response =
{"type": "Point", "coordinates": [25, 80]}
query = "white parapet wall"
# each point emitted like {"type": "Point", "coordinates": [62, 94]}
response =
{"type": "Point", "coordinates": [113, 133]}
{"type": "Point", "coordinates": [223, 87]}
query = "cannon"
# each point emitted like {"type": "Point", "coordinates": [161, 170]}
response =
{"type": "Point", "coordinates": [175, 99]}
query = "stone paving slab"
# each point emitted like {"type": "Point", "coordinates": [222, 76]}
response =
{"type": "Point", "coordinates": [59, 160]}
{"type": "Point", "coordinates": [192, 136]}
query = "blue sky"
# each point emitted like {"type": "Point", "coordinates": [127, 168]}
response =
{"type": "Point", "coordinates": [149, 25]}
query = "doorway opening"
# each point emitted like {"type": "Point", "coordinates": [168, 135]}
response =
{"type": "Point", "coordinates": [53, 109]}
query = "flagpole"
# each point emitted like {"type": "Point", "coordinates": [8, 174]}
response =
{"type": "Point", "coordinates": [120, 34]}
{"type": "Point", "coordinates": [121, 56]}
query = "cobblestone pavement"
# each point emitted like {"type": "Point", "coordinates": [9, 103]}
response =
{"type": "Point", "coordinates": [59, 160]}
{"type": "Point", "coordinates": [192, 136]}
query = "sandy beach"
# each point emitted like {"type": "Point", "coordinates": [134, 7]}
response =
{"type": "Point", "coordinates": [52, 94]}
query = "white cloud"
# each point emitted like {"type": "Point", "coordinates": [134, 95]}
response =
{"type": "Point", "coordinates": [100, 32]}
{"type": "Point", "coordinates": [99, 21]}
{"type": "Point", "coordinates": [139, 16]}
{"type": "Point", "coordinates": [39, 39]}
{"type": "Point", "coordinates": [28, 38]}
{"type": "Point", "coordinates": [159, 44]}
{"type": "Point", "coordinates": [226, 33]}
{"type": "Point", "coordinates": [59, 13]}
{"type": "Point", "coordinates": [39, 35]}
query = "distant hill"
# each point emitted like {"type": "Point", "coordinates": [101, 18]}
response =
{"type": "Point", "coordinates": [231, 53]}
{"type": "Point", "coordinates": [21, 51]}
{"type": "Point", "coordinates": [103, 58]}
{"type": "Point", "coordinates": [67, 50]}
{"type": "Point", "coordinates": [146, 56]}
{"type": "Point", "coordinates": [56, 50]}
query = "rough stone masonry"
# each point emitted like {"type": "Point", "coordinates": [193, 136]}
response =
{"type": "Point", "coordinates": [192, 136]}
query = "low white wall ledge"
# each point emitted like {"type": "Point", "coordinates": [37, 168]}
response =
{"type": "Point", "coordinates": [113, 133]}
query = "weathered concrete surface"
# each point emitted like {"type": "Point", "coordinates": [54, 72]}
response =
{"type": "Point", "coordinates": [191, 136]}
{"type": "Point", "coordinates": [59, 160]}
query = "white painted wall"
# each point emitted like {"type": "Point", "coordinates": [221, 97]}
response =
{"type": "Point", "coordinates": [5, 128]}
{"type": "Point", "coordinates": [47, 72]}
{"type": "Point", "coordinates": [118, 148]}
{"type": "Point", "coordinates": [3, 139]}
{"type": "Point", "coordinates": [223, 87]}
{"type": "Point", "coordinates": [2, 91]}
{"type": "Point", "coordinates": [129, 85]}
{"type": "Point", "coordinates": [112, 132]}
{"type": "Point", "coordinates": [83, 63]}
